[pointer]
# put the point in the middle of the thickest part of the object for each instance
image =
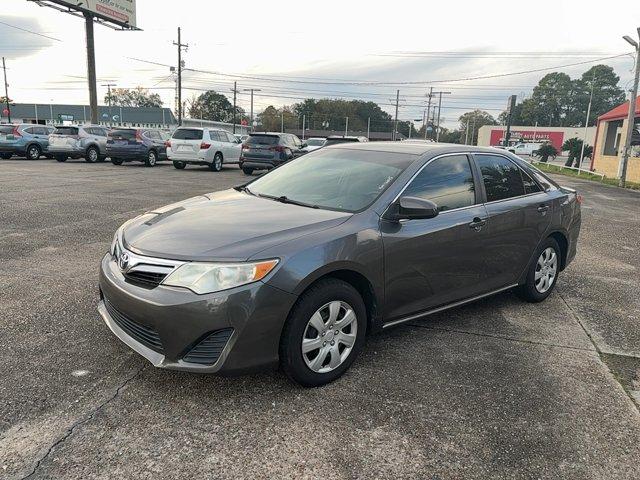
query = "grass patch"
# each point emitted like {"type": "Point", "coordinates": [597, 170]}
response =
{"type": "Point", "coordinates": [550, 168]}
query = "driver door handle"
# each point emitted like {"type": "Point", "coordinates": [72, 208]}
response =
{"type": "Point", "coordinates": [543, 208]}
{"type": "Point", "coordinates": [478, 223]}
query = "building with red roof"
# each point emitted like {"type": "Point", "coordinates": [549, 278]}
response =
{"type": "Point", "coordinates": [609, 145]}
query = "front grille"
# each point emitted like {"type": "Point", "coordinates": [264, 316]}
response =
{"type": "Point", "coordinates": [209, 349]}
{"type": "Point", "coordinates": [141, 333]}
{"type": "Point", "coordinates": [152, 279]}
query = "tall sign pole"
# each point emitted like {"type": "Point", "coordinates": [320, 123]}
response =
{"type": "Point", "coordinates": [91, 68]}
{"type": "Point", "coordinates": [440, 108]}
{"type": "Point", "coordinates": [235, 92]}
{"type": "Point", "coordinates": [180, 46]}
{"type": "Point", "coordinates": [6, 91]}
{"type": "Point", "coordinates": [510, 106]}
{"type": "Point", "coordinates": [430, 95]}
{"type": "Point", "coordinates": [395, 123]}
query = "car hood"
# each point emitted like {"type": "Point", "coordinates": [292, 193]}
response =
{"type": "Point", "coordinates": [223, 226]}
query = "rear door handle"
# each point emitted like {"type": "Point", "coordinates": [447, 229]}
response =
{"type": "Point", "coordinates": [543, 208]}
{"type": "Point", "coordinates": [478, 223]}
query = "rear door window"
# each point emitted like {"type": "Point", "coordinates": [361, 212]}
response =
{"type": "Point", "coordinates": [214, 135]}
{"type": "Point", "coordinates": [530, 186]}
{"type": "Point", "coordinates": [187, 134]}
{"type": "Point", "coordinates": [67, 131]}
{"type": "Point", "coordinates": [502, 178]}
{"type": "Point", "coordinates": [446, 181]}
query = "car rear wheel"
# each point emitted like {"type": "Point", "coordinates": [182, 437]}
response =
{"type": "Point", "coordinates": [179, 165]}
{"type": "Point", "coordinates": [61, 158]}
{"type": "Point", "coordinates": [216, 166]}
{"type": "Point", "coordinates": [543, 272]}
{"type": "Point", "coordinates": [5, 156]}
{"type": "Point", "coordinates": [324, 333]}
{"type": "Point", "coordinates": [92, 155]}
{"type": "Point", "coordinates": [247, 170]}
{"type": "Point", "coordinates": [33, 152]}
{"type": "Point", "coordinates": [116, 161]}
{"type": "Point", "coordinates": [152, 158]}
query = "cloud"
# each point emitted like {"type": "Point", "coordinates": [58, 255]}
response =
{"type": "Point", "coordinates": [17, 39]}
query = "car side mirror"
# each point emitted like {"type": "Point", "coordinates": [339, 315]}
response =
{"type": "Point", "coordinates": [412, 208]}
{"type": "Point", "coordinates": [304, 145]}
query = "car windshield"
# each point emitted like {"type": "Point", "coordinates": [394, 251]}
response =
{"type": "Point", "coordinates": [315, 142]}
{"type": "Point", "coordinates": [336, 179]}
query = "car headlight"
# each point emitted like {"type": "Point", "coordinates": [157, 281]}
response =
{"type": "Point", "coordinates": [213, 277]}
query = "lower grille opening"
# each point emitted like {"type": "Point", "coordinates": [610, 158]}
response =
{"type": "Point", "coordinates": [141, 333]}
{"type": "Point", "coordinates": [208, 350]}
{"type": "Point", "coordinates": [152, 279]}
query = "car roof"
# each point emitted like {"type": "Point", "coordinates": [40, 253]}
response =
{"type": "Point", "coordinates": [415, 147]}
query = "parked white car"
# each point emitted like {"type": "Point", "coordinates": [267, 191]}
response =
{"type": "Point", "coordinates": [524, 148]}
{"type": "Point", "coordinates": [313, 143]}
{"type": "Point", "coordinates": [203, 146]}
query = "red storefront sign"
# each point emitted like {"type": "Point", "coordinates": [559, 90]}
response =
{"type": "Point", "coordinates": [528, 136]}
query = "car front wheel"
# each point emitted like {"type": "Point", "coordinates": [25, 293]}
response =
{"type": "Point", "coordinates": [324, 333]}
{"type": "Point", "coordinates": [179, 165]}
{"type": "Point", "coordinates": [34, 152]}
{"type": "Point", "coordinates": [543, 272]}
{"type": "Point", "coordinates": [92, 155]}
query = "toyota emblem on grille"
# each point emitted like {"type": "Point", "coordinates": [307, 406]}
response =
{"type": "Point", "coordinates": [123, 261]}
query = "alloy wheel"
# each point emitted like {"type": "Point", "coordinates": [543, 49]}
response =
{"type": "Point", "coordinates": [546, 270]}
{"type": "Point", "coordinates": [152, 158]}
{"type": "Point", "coordinates": [34, 152]}
{"type": "Point", "coordinates": [93, 155]}
{"type": "Point", "coordinates": [329, 336]}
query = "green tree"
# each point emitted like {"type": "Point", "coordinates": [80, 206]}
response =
{"type": "Point", "coordinates": [550, 102]}
{"type": "Point", "coordinates": [606, 94]}
{"type": "Point", "coordinates": [474, 120]}
{"type": "Point", "coordinates": [574, 147]}
{"type": "Point", "coordinates": [547, 150]}
{"type": "Point", "coordinates": [213, 106]}
{"type": "Point", "coordinates": [137, 97]}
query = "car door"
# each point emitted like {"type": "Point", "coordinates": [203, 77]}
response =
{"type": "Point", "coordinates": [158, 144]}
{"type": "Point", "coordinates": [519, 215]}
{"type": "Point", "coordinates": [101, 138]}
{"type": "Point", "coordinates": [234, 148]}
{"type": "Point", "coordinates": [436, 261]}
{"type": "Point", "coordinates": [296, 146]}
{"type": "Point", "coordinates": [42, 136]}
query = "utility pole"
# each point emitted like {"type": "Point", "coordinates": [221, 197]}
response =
{"type": "Point", "coordinates": [6, 91]}
{"type": "Point", "coordinates": [466, 135]}
{"type": "Point", "coordinates": [180, 46]}
{"type": "Point", "coordinates": [510, 106]}
{"type": "Point", "coordinates": [346, 126]}
{"type": "Point", "coordinates": [632, 112]}
{"type": "Point", "coordinates": [430, 94]}
{"type": "Point", "coordinates": [282, 121]}
{"type": "Point", "coordinates": [586, 124]}
{"type": "Point", "coordinates": [109, 85]}
{"type": "Point", "coordinates": [91, 68]}
{"type": "Point", "coordinates": [235, 91]}
{"type": "Point", "coordinates": [440, 108]}
{"type": "Point", "coordinates": [368, 127]}
{"type": "Point", "coordinates": [395, 122]}
{"type": "Point", "coordinates": [251, 90]}
{"type": "Point", "coordinates": [304, 118]}
{"type": "Point", "coordinates": [473, 130]}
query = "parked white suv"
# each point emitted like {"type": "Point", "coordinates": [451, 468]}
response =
{"type": "Point", "coordinates": [203, 146]}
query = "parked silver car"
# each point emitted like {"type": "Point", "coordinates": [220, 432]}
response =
{"type": "Point", "coordinates": [79, 141]}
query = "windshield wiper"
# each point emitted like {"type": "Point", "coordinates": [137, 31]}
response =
{"type": "Point", "coordinates": [245, 189]}
{"type": "Point", "coordinates": [285, 199]}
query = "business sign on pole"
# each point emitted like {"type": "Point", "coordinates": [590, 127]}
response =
{"type": "Point", "coordinates": [526, 136]}
{"type": "Point", "coordinates": [119, 12]}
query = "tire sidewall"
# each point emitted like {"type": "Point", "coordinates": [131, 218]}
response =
{"type": "Point", "coordinates": [318, 295]}
{"type": "Point", "coordinates": [35, 149]}
{"type": "Point", "coordinates": [179, 165]}
{"type": "Point", "coordinates": [216, 165]}
{"type": "Point", "coordinates": [529, 291]}
{"type": "Point", "coordinates": [88, 155]}
{"type": "Point", "coordinates": [148, 162]}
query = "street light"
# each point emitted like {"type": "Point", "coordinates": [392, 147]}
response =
{"type": "Point", "coordinates": [251, 90]}
{"type": "Point", "coordinates": [622, 171]}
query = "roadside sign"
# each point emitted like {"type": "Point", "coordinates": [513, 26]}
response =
{"type": "Point", "coordinates": [63, 117]}
{"type": "Point", "coordinates": [119, 12]}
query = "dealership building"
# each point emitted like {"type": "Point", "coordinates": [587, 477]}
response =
{"type": "Point", "coordinates": [492, 136]}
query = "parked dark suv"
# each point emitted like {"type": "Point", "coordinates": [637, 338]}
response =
{"type": "Point", "coordinates": [266, 150]}
{"type": "Point", "coordinates": [137, 145]}
{"type": "Point", "coordinates": [295, 267]}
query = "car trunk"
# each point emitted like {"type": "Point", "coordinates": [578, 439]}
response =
{"type": "Point", "coordinates": [63, 137]}
{"type": "Point", "coordinates": [186, 141]}
{"type": "Point", "coordinates": [262, 147]}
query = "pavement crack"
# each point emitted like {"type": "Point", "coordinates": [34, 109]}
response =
{"type": "Point", "coordinates": [601, 354]}
{"type": "Point", "coordinates": [500, 337]}
{"type": "Point", "coordinates": [83, 420]}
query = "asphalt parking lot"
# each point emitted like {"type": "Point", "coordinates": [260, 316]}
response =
{"type": "Point", "coordinates": [497, 389]}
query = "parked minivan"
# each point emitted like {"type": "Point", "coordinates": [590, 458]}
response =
{"type": "Point", "coordinates": [203, 146]}
{"type": "Point", "coordinates": [78, 141]}
{"type": "Point", "coordinates": [26, 139]}
{"type": "Point", "coordinates": [136, 145]}
{"type": "Point", "coordinates": [266, 150]}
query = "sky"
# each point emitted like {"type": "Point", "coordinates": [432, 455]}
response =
{"type": "Point", "coordinates": [336, 49]}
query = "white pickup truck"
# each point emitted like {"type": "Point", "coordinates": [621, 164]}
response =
{"type": "Point", "coordinates": [523, 148]}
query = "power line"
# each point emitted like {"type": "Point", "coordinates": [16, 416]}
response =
{"type": "Point", "coordinates": [30, 31]}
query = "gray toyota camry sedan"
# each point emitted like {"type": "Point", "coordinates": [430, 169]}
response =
{"type": "Point", "coordinates": [296, 267]}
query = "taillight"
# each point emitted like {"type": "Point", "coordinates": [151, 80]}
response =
{"type": "Point", "coordinates": [245, 147]}
{"type": "Point", "coordinates": [277, 148]}
{"type": "Point", "coordinates": [167, 144]}
{"type": "Point", "coordinates": [579, 198]}
{"type": "Point", "coordinates": [16, 133]}
{"type": "Point", "coordinates": [204, 146]}
{"type": "Point", "coordinates": [138, 135]}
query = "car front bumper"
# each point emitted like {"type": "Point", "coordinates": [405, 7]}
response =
{"type": "Point", "coordinates": [251, 317]}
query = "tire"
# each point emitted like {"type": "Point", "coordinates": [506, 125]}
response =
{"type": "Point", "coordinates": [247, 170]}
{"type": "Point", "coordinates": [101, 159]}
{"type": "Point", "coordinates": [216, 165]}
{"type": "Point", "coordinates": [179, 165]}
{"type": "Point", "coordinates": [117, 161]}
{"type": "Point", "coordinates": [317, 300]}
{"type": "Point", "coordinates": [34, 151]}
{"type": "Point", "coordinates": [61, 158]}
{"type": "Point", "coordinates": [6, 156]}
{"type": "Point", "coordinates": [152, 159]}
{"type": "Point", "coordinates": [92, 155]}
{"type": "Point", "coordinates": [547, 255]}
